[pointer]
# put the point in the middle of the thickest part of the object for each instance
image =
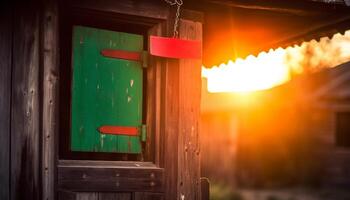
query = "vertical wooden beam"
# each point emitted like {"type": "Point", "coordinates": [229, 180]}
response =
{"type": "Point", "coordinates": [170, 129]}
{"type": "Point", "coordinates": [5, 96]}
{"type": "Point", "coordinates": [49, 54]}
{"type": "Point", "coordinates": [205, 186]}
{"type": "Point", "coordinates": [25, 111]}
{"type": "Point", "coordinates": [181, 104]}
{"type": "Point", "coordinates": [189, 114]}
{"type": "Point", "coordinates": [153, 106]}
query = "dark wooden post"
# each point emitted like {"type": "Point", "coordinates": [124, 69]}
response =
{"type": "Point", "coordinates": [189, 101]}
{"type": "Point", "coordinates": [25, 103]}
{"type": "Point", "coordinates": [182, 89]}
{"type": "Point", "coordinates": [50, 97]}
{"type": "Point", "coordinates": [5, 96]}
{"type": "Point", "coordinates": [205, 188]}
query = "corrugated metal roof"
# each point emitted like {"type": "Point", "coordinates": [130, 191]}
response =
{"type": "Point", "coordinates": [237, 28]}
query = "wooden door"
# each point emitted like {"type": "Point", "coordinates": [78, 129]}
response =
{"type": "Point", "coordinates": [105, 91]}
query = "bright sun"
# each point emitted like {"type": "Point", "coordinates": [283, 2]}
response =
{"type": "Point", "coordinates": [275, 67]}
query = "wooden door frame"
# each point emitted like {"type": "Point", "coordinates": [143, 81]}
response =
{"type": "Point", "coordinates": [72, 16]}
{"type": "Point", "coordinates": [118, 176]}
{"type": "Point", "coordinates": [159, 174]}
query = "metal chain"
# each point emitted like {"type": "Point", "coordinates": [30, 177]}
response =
{"type": "Point", "coordinates": [178, 4]}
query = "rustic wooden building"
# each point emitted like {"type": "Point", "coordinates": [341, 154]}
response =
{"type": "Point", "coordinates": [295, 134]}
{"type": "Point", "coordinates": [51, 146]}
{"type": "Point", "coordinates": [55, 101]}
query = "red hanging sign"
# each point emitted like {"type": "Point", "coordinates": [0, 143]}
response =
{"type": "Point", "coordinates": [175, 48]}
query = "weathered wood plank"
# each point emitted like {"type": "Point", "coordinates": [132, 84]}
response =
{"type": "Point", "coordinates": [66, 195]}
{"type": "Point", "coordinates": [153, 103]}
{"type": "Point", "coordinates": [189, 114]}
{"type": "Point", "coordinates": [114, 196]}
{"type": "Point", "coordinates": [148, 196]}
{"type": "Point", "coordinates": [5, 94]}
{"type": "Point", "coordinates": [25, 111]}
{"type": "Point", "coordinates": [104, 179]}
{"type": "Point", "coordinates": [170, 128]}
{"type": "Point", "coordinates": [181, 115]}
{"type": "Point", "coordinates": [50, 98]}
{"type": "Point", "coordinates": [130, 7]}
{"type": "Point", "coordinates": [87, 196]}
{"type": "Point", "coordinates": [107, 164]}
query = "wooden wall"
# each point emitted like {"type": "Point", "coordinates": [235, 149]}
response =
{"type": "Point", "coordinates": [25, 108]}
{"type": "Point", "coordinates": [5, 96]}
{"type": "Point", "coordinates": [27, 54]}
{"type": "Point", "coordinates": [29, 84]}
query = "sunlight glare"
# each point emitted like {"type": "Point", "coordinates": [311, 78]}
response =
{"type": "Point", "coordinates": [276, 67]}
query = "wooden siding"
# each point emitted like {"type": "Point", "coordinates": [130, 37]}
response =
{"type": "Point", "coordinates": [50, 62]}
{"type": "Point", "coordinates": [181, 103]}
{"type": "Point", "coordinates": [30, 83]}
{"type": "Point", "coordinates": [5, 96]}
{"type": "Point", "coordinates": [25, 105]}
{"type": "Point", "coordinates": [189, 113]}
{"type": "Point", "coordinates": [109, 176]}
{"type": "Point", "coordinates": [149, 11]}
{"type": "Point", "coordinates": [64, 195]}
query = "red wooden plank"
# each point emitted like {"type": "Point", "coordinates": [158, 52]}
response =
{"type": "Point", "coordinates": [120, 54]}
{"type": "Point", "coordinates": [175, 48]}
{"type": "Point", "coordinates": [119, 130]}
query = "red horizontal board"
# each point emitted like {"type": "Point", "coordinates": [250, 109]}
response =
{"type": "Point", "coordinates": [119, 130]}
{"type": "Point", "coordinates": [175, 48]}
{"type": "Point", "coordinates": [120, 54]}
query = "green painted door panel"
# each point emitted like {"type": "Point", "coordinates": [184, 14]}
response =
{"type": "Point", "coordinates": [105, 91]}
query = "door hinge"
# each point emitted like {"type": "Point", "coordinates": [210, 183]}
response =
{"type": "Point", "coordinates": [144, 59]}
{"type": "Point", "coordinates": [143, 133]}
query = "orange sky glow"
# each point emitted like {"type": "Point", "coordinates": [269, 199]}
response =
{"type": "Point", "coordinates": [275, 67]}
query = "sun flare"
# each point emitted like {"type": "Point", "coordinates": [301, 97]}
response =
{"type": "Point", "coordinates": [276, 67]}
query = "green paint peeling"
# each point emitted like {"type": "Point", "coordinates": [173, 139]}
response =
{"type": "Point", "coordinates": [105, 91]}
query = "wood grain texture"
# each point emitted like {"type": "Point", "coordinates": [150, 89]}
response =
{"type": "Point", "coordinates": [169, 106]}
{"type": "Point", "coordinates": [130, 7]}
{"type": "Point", "coordinates": [107, 179]}
{"type": "Point", "coordinates": [153, 103]}
{"type": "Point", "coordinates": [66, 195]}
{"type": "Point", "coordinates": [50, 58]}
{"type": "Point", "coordinates": [170, 129]}
{"type": "Point", "coordinates": [189, 114]}
{"type": "Point", "coordinates": [148, 196]}
{"type": "Point", "coordinates": [25, 114]}
{"type": "Point", "coordinates": [5, 94]}
{"type": "Point", "coordinates": [114, 196]}
{"type": "Point", "coordinates": [87, 196]}
{"type": "Point", "coordinates": [108, 164]}
{"type": "Point", "coordinates": [181, 103]}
